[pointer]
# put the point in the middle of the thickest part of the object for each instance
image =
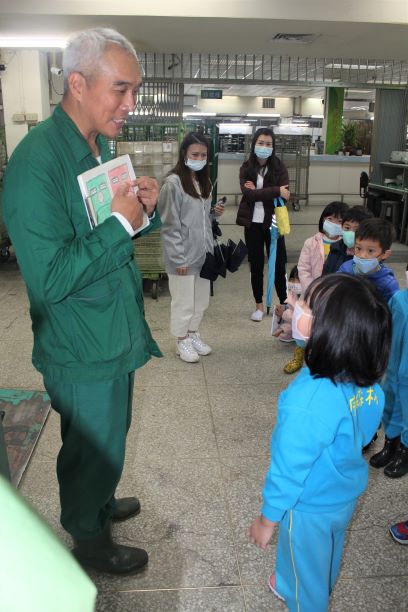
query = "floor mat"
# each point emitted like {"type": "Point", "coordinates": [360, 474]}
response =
{"type": "Point", "coordinates": [25, 414]}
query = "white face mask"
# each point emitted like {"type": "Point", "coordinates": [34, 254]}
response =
{"type": "Point", "coordinates": [301, 323]}
{"type": "Point", "coordinates": [332, 230]}
{"type": "Point", "coordinates": [295, 288]}
{"type": "Point", "coordinates": [195, 164]}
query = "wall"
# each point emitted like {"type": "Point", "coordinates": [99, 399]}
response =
{"type": "Point", "coordinates": [25, 90]}
{"type": "Point", "coordinates": [244, 104]}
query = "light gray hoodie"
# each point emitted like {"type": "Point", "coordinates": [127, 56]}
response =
{"type": "Point", "coordinates": [186, 229]}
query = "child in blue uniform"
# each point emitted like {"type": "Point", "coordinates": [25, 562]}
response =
{"type": "Point", "coordinates": [325, 417]}
{"type": "Point", "coordinates": [373, 240]}
{"type": "Point", "coordinates": [394, 456]}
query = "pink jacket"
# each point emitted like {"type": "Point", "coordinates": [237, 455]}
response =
{"type": "Point", "coordinates": [311, 260]}
{"type": "Point", "coordinates": [285, 323]}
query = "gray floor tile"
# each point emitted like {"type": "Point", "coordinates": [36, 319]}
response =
{"type": "Point", "coordinates": [243, 480]}
{"type": "Point", "coordinates": [183, 525]}
{"type": "Point", "coordinates": [189, 600]}
{"type": "Point", "coordinates": [176, 423]}
{"type": "Point", "coordinates": [374, 556]}
{"type": "Point", "coordinates": [370, 595]}
{"type": "Point", "coordinates": [261, 599]}
{"type": "Point", "coordinates": [244, 417]}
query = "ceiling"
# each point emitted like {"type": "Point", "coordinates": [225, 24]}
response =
{"type": "Point", "coordinates": [371, 29]}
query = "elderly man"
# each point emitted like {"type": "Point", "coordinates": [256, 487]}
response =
{"type": "Point", "coordinates": [85, 291]}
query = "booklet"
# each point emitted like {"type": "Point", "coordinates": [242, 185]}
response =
{"type": "Point", "coordinates": [99, 185]}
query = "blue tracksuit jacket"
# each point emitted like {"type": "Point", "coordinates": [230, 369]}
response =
{"type": "Point", "coordinates": [316, 460]}
{"type": "Point", "coordinates": [384, 279]}
{"type": "Point", "coordinates": [395, 383]}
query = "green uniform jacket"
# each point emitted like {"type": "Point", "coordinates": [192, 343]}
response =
{"type": "Point", "coordinates": [84, 287]}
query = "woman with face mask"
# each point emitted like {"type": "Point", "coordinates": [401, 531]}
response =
{"type": "Point", "coordinates": [263, 178]}
{"type": "Point", "coordinates": [184, 207]}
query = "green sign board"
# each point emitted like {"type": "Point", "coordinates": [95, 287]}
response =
{"type": "Point", "coordinates": [211, 94]}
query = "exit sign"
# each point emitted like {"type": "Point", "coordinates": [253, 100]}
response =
{"type": "Point", "coordinates": [211, 94]}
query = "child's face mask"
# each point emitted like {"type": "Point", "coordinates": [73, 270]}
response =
{"type": "Point", "coordinates": [365, 266]}
{"type": "Point", "coordinates": [301, 322]}
{"type": "Point", "coordinates": [332, 230]}
{"type": "Point", "coordinates": [349, 238]}
{"type": "Point", "coordinates": [295, 288]}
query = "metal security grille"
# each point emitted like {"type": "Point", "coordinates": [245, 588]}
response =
{"type": "Point", "coordinates": [158, 101]}
{"type": "Point", "coordinates": [268, 102]}
{"type": "Point", "coordinates": [294, 151]}
{"type": "Point", "coordinates": [259, 69]}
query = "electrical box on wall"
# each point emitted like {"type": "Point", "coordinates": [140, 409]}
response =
{"type": "Point", "coordinates": [18, 118]}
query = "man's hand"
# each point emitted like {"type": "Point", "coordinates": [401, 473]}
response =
{"type": "Point", "coordinates": [128, 204]}
{"type": "Point", "coordinates": [260, 532]}
{"type": "Point", "coordinates": [148, 192]}
{"type": "Point", "coordinates": [182, 271]}
{"type": "Point", "coordinates": [249, 185]}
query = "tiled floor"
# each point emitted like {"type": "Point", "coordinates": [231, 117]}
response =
{"type": "Point", "coordinates": [197, 454]}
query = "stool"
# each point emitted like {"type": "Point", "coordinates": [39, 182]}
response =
{"type": "Point", "coordinates": [394, 205]}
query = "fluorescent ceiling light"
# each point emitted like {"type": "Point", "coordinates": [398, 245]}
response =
{"type": "Point", "coordinates": [354, 66]}
{"type": "Point", "coordinates": [199, 114]}
{"type": "Point", "coordinates": [263, 114]}
{"type": "Point", "coordinates": [317, 116]}
{"type": "Point", "coordinates": [32, 42]}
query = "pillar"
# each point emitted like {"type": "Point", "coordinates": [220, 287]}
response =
{"type": "Point", "coordinates": [25, 92]}
{"type": "Point", "coordinates": [332, 134]}
{"type": "Point", "coordinates": [390, 127]}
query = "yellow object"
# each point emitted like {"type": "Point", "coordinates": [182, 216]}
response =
{"type": "Point", "coordinates": [296, 363]}
{"type": "Point", "coordinates": [282, 219]}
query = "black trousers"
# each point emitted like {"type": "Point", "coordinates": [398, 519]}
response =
{"type": "Point", "coordinates": [258, 240]}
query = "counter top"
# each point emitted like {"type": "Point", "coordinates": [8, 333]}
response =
{"type": "Point", "coordinates": [314, 159]}
{"type": "Point", "coordinates": [339, 159]}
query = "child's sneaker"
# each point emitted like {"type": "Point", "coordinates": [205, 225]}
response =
{"type": "Point", "coordinates": [296, 363]}
{"type": "Point", "coordinates": [399, 532]}
{"type": "Point", "coordinates": [272, 586]}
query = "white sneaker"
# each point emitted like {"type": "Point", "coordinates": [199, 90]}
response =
{"type": "Point", "coordinates": [258, 315]}
{"type": "Point", "coordinates": [198, 344]}
{"type": "Point", "coordinates": [185, 349]}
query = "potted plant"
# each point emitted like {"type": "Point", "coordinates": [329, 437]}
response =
{"type": "Point", "coordinates": [350, 136]}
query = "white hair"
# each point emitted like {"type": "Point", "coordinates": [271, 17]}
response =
{"type": "Point", "coordinates": [85, 49]}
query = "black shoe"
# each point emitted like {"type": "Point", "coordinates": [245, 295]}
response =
{"type": "Point", "coordinates": [399, 465]}
{"type": "Point", "coordinates": [386, 454]}
{"type": "Point", "coordinates": [367, 446]}
{"type": "Point", "coordinates": [126, 508]}
{"type": "Point", "coordinates": [102, 554]}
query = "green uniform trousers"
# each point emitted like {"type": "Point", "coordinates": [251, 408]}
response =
{"type": "Point", "coordinates": [95, 419]}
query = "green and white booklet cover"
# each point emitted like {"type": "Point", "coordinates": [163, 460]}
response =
{"type": "Point", "coordinates": [99, 185]}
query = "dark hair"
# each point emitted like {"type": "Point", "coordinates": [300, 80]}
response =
{"type": "Point", "coordinates": [379, 230]}
{"type": "Point", "coordinates": [335, 209]}
{"type": "Point", "coordinates": [185, 174]}
{"type": "Point", "coordinates": [252, 164]}
{"type": "Point", "coordinates": [294, 273]}
{"type": "Point", "coordinates": [357, 213]}
{"type": "Point", "coordinates": [351, 330]}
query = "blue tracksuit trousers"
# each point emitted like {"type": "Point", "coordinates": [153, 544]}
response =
{"type": "Point", "coordinates": [309, 554]}
{"type": "Point", "coordinates": [395, 416]}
